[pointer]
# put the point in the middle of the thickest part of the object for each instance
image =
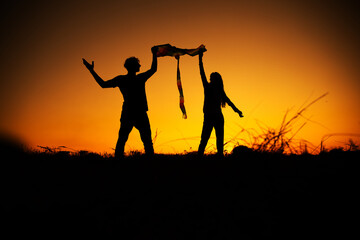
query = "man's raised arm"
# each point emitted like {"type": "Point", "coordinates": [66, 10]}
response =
{"type": "Point", "coordinates": [153, 68]}
{"type": "Point", "coordinates": [98, 79]}
{"type": "Point", "coordinates": [146, 75]}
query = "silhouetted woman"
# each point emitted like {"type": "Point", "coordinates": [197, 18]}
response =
{"type": "Point", "coordinates": [214, 99]}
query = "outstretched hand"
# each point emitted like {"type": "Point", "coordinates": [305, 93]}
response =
{"type": "Point", "coordinates": [88, 65]}
{"type": "Point", "coordinates": [240, 114]}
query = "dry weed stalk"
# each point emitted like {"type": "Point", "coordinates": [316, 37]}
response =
{"type": "Point", "coordinates": [278, 141]}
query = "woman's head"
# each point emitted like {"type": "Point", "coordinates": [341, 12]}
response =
{"type": "Point", "coordinates": [217, 82]}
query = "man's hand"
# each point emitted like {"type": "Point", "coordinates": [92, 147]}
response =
{"type": "Point", "coordinates": [154, 50]}
{"type": "Point", "coordinates": [88, 65]}
{"type": "Point", "coordinates": [240, 114]}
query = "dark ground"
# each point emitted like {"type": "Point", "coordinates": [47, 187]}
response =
{"type": "Point", "coordinates": [244, 196]}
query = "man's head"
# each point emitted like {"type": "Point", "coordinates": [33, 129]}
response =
{"type": "Point", "coordinates": [132, 64]}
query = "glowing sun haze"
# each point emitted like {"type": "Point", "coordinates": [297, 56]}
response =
{"type": "Point", "coordinates": [273, 57]}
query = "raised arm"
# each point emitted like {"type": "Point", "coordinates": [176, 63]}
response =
{"type": "Point", "coordinates": [99, 80]}
{"type": "Point", "coordinates": [202, 71]}
{"type": "Point", "coordinates": [146, 75]}
{"type": "Point", "coordinates": [232, 105]}
{"type": "Point", "coordinates": [153, 68]}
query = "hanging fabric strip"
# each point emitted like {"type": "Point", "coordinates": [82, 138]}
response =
{"type": "Point", "coordinates": [178, 80]}
{"type": "Point", "coordinates": [168, 50]}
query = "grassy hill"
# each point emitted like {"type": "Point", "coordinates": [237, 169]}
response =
{"type": "Point", "coordinates": [245, 195]}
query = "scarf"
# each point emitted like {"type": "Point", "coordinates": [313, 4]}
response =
{"type": "Point", "coordinates": [168, 50]}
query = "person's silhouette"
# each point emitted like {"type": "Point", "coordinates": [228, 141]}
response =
{"type": "Point", "coordinates": [214, 99]}
{"type": "Point", "coordinates": [135, 107]}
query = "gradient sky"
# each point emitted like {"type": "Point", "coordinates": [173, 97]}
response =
{"type": "Point", "coordinates": [274, 56]}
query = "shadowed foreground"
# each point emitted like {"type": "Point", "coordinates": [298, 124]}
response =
{"type": "Point", "coordinates": [177, 197]}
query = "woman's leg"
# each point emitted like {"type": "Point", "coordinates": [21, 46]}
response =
{"type": "Point", "coordinates": [219, 131]}
{"type": "Point", "coordinates": [205, 135]}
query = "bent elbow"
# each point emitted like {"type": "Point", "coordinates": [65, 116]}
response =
{"type": "Point", "coordinates": [103, 85]}
{"type": "Point", "coordinates": [152, 71]}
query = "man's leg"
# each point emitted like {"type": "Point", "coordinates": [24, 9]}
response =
{"type": "Point", "coordinates": [205, 135]}
{"type": "Point", "coordinates": [125, 129]}
{"type": "Point", "coordinates": [143, 125]}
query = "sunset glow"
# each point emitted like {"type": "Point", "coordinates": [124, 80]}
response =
{"type": "Point", "coordinates": [273, 59]}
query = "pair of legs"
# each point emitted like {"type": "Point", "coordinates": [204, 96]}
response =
{"type": "Point", "coordinates": [212, 121]}
{"type": "Point", "coordinates": [141, 122]}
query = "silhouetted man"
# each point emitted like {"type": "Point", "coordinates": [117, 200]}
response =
{"type": "Point", "coordinates": [134, 109]}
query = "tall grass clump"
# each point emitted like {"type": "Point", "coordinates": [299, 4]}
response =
{"type": "Point", "coordinates": [282, 140]}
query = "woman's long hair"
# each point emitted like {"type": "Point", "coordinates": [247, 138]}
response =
{"type": "Point", "coordinates": [217, 82]}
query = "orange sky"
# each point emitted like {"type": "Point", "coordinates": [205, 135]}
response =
{"type": "Point", "coordinates": [272, 57]}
